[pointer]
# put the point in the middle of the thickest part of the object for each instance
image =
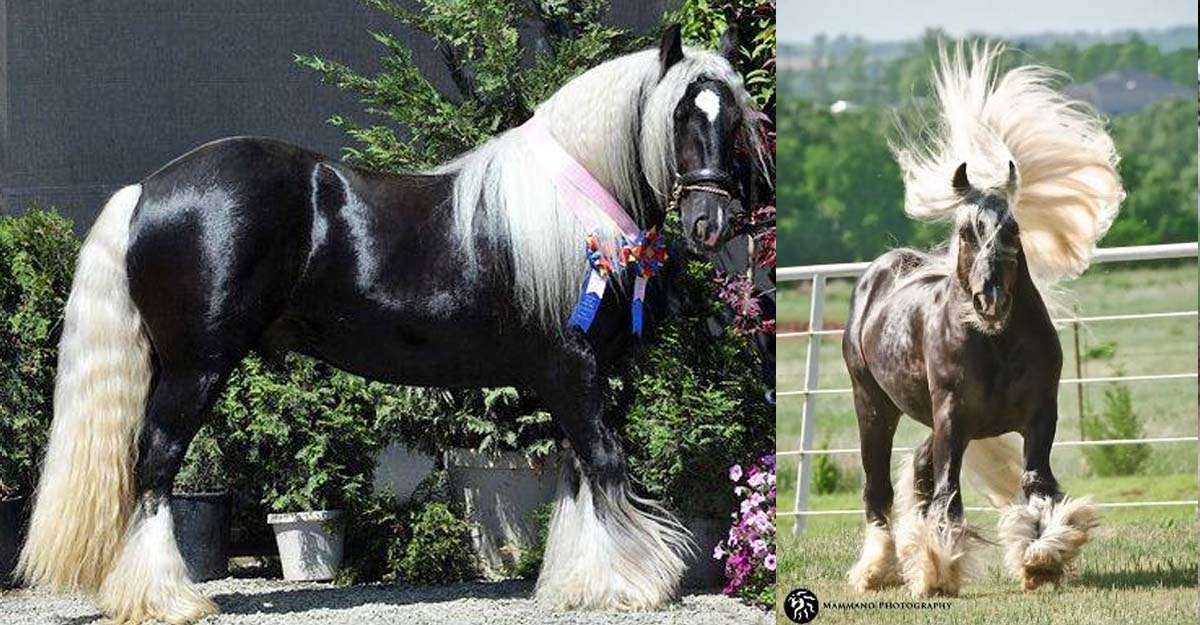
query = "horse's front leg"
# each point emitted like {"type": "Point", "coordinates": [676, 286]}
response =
{"type": "Point", "coordinates": [1044, 534]}
{"type": "Point", "coordinates": [933, 542]}
{"type": "Point", "coordinates": [877, 567]}
{"type": "Point", "coordinates": [606, 548]}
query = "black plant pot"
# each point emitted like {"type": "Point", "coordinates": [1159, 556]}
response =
{"type": "Point", "coordinates": [14, 515]}
{"type": "Point", "coordinates": [202, 530]}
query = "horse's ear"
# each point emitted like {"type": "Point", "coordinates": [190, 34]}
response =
{"type": "Point", "coordinates": [1012, 176]}
{"type": "Point", "coordinates": [961, 184]}
{"type": "Point", "coordinates": [729, 44]}
{"type": "Point", "coordinates": [670, 49]}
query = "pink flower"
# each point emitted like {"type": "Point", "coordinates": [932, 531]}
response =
{"type": "Point", "coordinates": [749, 549]}
{"type": "Point", "coordinates": [759, 546]}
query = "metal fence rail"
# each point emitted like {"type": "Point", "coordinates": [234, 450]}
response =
{"type": "Point", "coordinates": [818, 274]}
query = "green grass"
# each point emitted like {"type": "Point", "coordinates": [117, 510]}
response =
{"type": "Point", "coordinates": [1142, 565]}
{"type": "Point", "coordinates": [1139, 568]}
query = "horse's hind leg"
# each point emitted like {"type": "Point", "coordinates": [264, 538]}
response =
{"type": "Point", "coordinates": [199, 334]}
{"type": "Point", "coordinates": [877, 418]}
{"type": "Point", "coordinates": [1044, 534]}
{"type": "Point", "coordinates": [148, 580]}
{"type": "Point", "coordinates": [606, 548]}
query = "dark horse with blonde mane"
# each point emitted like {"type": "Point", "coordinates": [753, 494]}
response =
{"type": "Point", "coordinates": [461, 276]}
{"type": "Point", "coordinates": [961, 339]}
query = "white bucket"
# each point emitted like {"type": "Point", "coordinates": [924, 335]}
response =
{"type": "Point", "coordinates": [310, 545]}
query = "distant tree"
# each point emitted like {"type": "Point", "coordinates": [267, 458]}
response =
{"type": "Point", "coordinates": [1158, 168]}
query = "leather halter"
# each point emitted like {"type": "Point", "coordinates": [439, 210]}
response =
{"type": "Point", "coordinates": [716, 182]}
{"type": "Point", "coordinates": [705, 180]}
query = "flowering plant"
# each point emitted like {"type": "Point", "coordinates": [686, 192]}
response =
{"type": "Point", "coordinates": [749, 550]}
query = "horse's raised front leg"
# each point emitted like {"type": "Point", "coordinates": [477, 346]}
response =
{"type": "Point", "coordinates": [606, 548]}
{"type": "Point", "coordinates": [933, 542]}
{"type": "Point", "coordinates": [148, 579]}
{"type": "Point", "coordinates": [877, 567]}
{"type": "Point", "coordinates": [1043, 535]}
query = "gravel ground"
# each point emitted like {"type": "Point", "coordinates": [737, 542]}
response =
{"type": "Point", "coordinates": [269, 601]}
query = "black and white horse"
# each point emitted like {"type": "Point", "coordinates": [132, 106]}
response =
{"type": "Point", "coordinates": [960, 339]}
{"type": "Point", "coordinates": [461, 276]}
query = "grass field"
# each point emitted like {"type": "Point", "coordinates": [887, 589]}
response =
{"type": "Point", "coordinates": [1141, 567]}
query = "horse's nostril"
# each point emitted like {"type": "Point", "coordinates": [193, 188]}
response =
{"type": "Point", "coordinates": [980, 302]}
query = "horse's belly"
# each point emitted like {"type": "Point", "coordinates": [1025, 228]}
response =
{"type": "Point", "coordinates": [414, 347]}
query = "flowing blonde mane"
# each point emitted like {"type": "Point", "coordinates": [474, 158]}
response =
{"type": "Point", "coordinates": [1068, 189]}
{"type": "Point", "coordinates": [617, 120]}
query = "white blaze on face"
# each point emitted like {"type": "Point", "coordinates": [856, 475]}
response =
{"type": "Point", "coordinates": [708, 102]}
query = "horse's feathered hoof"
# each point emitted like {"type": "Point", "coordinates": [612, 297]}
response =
{"type": "Point", "coordinates": [935, 557]}
{"type": "Point", "coordinates": [148, 581]}
{"type": "Point", "coordinates": [877, 567]}
{"type": "Point", "coordinates": [608, 549]}
{"type": "Point", "coordinates": [1043, 539]}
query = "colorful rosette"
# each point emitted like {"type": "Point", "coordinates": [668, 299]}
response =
{"type": "Point", "coordinates": [596, 257]}
{"type": "Point", "coordinates": [647, 253]}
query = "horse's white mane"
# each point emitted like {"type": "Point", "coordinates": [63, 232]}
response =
{"type": "Point", "coordinates": [1068, 189]}
{"type": "Point", "coordinates": [610, 118]}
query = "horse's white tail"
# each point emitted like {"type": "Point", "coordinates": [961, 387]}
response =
{"type": "Point", "coordinates": [87, 486]}
{"type": "Point", "coordinates": [994, 465]}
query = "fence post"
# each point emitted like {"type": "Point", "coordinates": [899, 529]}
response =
{"type": "Point", "coordinates": [815, 323]}
{"type": "Point", "coordinates": [1078, 373]}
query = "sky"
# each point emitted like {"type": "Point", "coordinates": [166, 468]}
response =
{"type": "Point", "coordinates": [894, 20]}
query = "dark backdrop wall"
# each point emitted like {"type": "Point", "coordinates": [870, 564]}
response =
{"type": "Point", "coordinates": [95, 95]}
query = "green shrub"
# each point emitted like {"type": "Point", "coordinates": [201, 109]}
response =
{"type": "Point", "coordinates": [440, 551]}
{"type": "Point", "coordinates": [305, 432]}
{"type": "Point", "coordinates": [827, 475]}
{"type": "Point", "coordinates": [37, 259]}
{"type": "Point", "coordinates": [1117, 421]}
{"type": "Point", "coordinates": [203, 469]}
{"type": "Point", "coordinates": [486, 420]}
{"type": "Point", "coordinates": [530, 563]}
{"type": "Point", "coordinates": [1104, 351]}
{"type": "Point", "coordinates": [379, 533]}
{"type": "Point", "coordinates": [376, 536]}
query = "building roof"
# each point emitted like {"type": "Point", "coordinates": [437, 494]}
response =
{"type": "Point", "coordinates": [1126, 91]}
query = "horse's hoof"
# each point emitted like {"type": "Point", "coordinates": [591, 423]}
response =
{"type": "Point", "coordinates": [935, 559]}
{"type": "Point", "coordinates": [872, 576]}
{"type": "Point", "coordinates": [1033, 578]}
{"type": "Point", "coordinates": [1044, 538]}
{"type": "Point", "coordinates": [878, 567]}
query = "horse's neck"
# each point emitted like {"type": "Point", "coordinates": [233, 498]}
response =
{"type": "Point", "coordinates": [1029, 308]}
{"type": "Point", "coordinates": [1027, 296]}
